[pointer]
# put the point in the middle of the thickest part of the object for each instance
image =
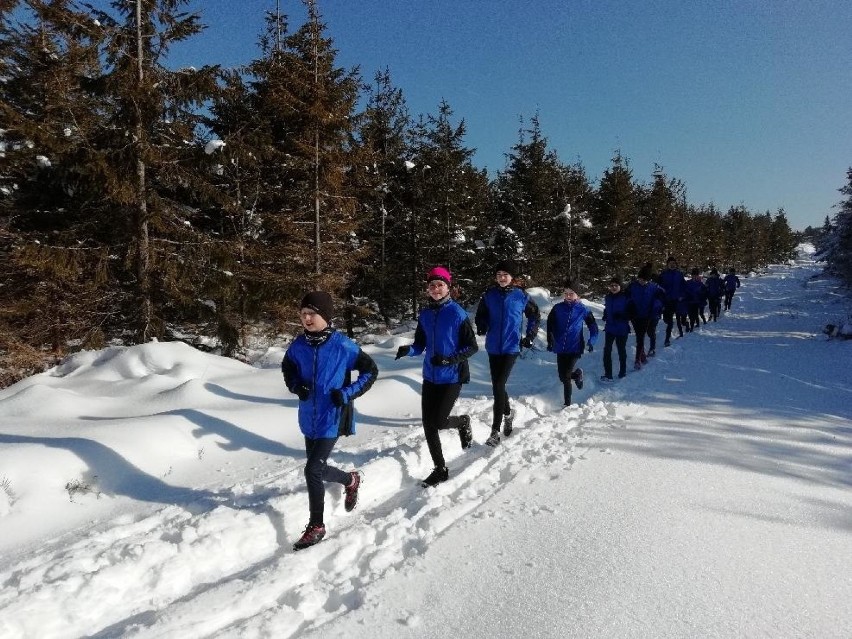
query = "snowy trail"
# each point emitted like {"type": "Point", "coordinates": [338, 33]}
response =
{"type": "Point", "coordinates": [203, 493]}
{"type": "Point", "coordinates": [256, 577]}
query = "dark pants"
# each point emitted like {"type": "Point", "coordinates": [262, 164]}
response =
{"type": "Point", "coordinates": [715, 307]}
{"type": "Point", "coordinates": [640, 327]}
{"type": "Point", "coordinates": [317, 472]}
{"type": "Point", "coordinates": [437, 400]}
{"type": "Point", "coordinates": [728, 298]}
{"type": "Point", "coordinates": [652, 334]}
{"type": "Point", "coordinates": [669, 312]}
{"type": "Point", "coordinates": [501, 366]}
{"type": "Point", "coordinates": [565, 363]}
{"type": "Point", "coordinates": [693, 316]}
{"type": "Point", "coordinates": [621, 344]}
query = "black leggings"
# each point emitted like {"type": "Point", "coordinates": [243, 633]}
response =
{"type": "Point", "coordinates": [565, 363]}
{"type": "Point", "coordinates": [317, 472]}
{"type": "Point", "coordinates": [652, 334]}
{"type": "Point", "coordinates": [715, 307]}
{"type": "Point", "coordinates": [621, 344]}
{"type": "Point", "coordinates": [669, 313]}
{"type": "Point", "coordinates": [729, 295]}
{"type": "Point", "coordinates": [640, 327]}
{"type": "Point", "coordinates": [437, 400]}
{"type": "Point", "coordinates": [501, 366]}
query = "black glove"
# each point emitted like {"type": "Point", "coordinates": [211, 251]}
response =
{"type": "Point", "coordinates": [526, 342]}
{"type": "Point", "coordinates": [402, 351]}
{"type": "Point", "coordinates": [303, 392]}
{"type": "Point", "coordinates": [590, 348]}
{"type": "Point", "coordinates": [440, 360]}
{"type": "Point", "coordinates": [337, 397]}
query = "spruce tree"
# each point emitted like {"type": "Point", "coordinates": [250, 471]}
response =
{"type": "Point", "coordinates": [449, 196]}
{"type": "Point", "coordinates": [836, 248]}
{"type": "Point", "coordinates": [54, 255]}
{"type": "Point", "coordinates": [533, 197]}
{"type": "Point", "coordinates": [383, 135]}
{"type": "Point", "coordinates": [149, 157]}
{"type": "Point", "coordinates": [614, 217]}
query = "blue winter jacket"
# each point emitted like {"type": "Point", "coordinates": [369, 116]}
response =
{"type": "Point", "coordinates": [671, 279]}
{"type": "Point", "coordinates": [565, 328]}
{"type": "Point", "coordinates": [695, 293]}
{"type": "Point", "coordinates": [500, 316]}
{"type": "Point", "coordinates": [648, 299]}
{"type": "Point", "coordinates": [322, 369]}
{"type": "Point", "coordinates": [714, 286]}
{"type": "Point", "coordinates": [618, 308]}
{"type": "Point", "coordinates": [444, 329]}
{"type": "Point", "coordinates": [732, 283]}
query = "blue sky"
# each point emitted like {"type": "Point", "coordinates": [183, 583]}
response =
{"type": "Point", "coordinates": [746, 102]}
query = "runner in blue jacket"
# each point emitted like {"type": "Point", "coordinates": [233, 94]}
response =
{"type": "Point", "coordinates": [445, 338]}
{"type": "Point", "coordinates": [671, 279]}
{"type": "Point", "coordinates": [648, 301]}
{"type": "Point", "coordinates": [732, 283]}
{"type": "Point", "coordinates": [695, 293]}
{"type": "Point", "coordinates": [715, 289]}
{"type": "Point", "coordinates": [500, 316]}
{"type": "Point", "coordinates": [565, 337]}
{"type": "Point", "coordinates": [618, 309]}
{"type": "Point", "coordinates": [318, 367]}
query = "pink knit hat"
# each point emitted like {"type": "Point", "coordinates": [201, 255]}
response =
{"type": "Point", "coordinates": [440, 273]}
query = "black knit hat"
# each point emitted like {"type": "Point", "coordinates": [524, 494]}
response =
{"type": "Point", "coordinates": [507, 266]}
{"type": "Point", "coordinates": [645, 273]}
{"type": "Point", "coordinates": [572, 284]}
{"type": "Point", "coordinates": [321, 302]}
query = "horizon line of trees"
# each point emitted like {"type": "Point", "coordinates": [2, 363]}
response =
{"type": "Point", "coordinates": [140, 202]}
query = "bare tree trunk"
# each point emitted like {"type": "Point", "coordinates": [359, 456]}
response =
{"type": "Point", "coordinates": [318, 252]}
{"type": "Point", "coordinates": [143, 263]}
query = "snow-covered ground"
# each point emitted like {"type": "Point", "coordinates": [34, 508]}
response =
{"type": "Point", "coordinates": [156, 491]}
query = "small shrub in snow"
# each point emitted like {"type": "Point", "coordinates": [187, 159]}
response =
{"type": "Point", "coordinates": [80, 487]}
{"type": "Point", "coordinates": [6, 488]}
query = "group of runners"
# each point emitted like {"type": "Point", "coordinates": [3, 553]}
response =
{"type": "Point", "coordinates": [319, 363]}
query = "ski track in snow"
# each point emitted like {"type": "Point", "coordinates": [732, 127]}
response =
{"type": "Point", "coordinates": [258, 578]}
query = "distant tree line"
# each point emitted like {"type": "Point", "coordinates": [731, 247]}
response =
{"type": "Point", "coordinates": [139, 201]}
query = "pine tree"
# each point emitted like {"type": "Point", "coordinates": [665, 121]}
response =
{"type": "Point", "coordinates": [736, 226]}
{"type": "Point", "coordinates": [836, 248]}
{"type": "Point", "coordinates": [662, 226]}
{"type": "Point", "coordinates": [574, 229]}
{"type": "Point", "coordinates": [149, 157]}
{"type": "Point", "coordinates": [449, 195]}
{"type": "Point", "coordinates": [533, 196]}
{"type": "Point", "coordinates": [614, 216]}
{"type": "Point", "coordinates": [54, 255]}
{"type": "Point", "coordinates": [317, 107]}
{"type": "Point", "coordinates": [782, 240]}
{"type": "Point", "coordinates": [386, 197]}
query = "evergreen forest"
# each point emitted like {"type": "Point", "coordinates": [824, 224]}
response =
{"type": "Point", "coordinates": [139, 201]}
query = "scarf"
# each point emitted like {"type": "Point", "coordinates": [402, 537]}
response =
{"type": "Point", "coordinates": [317, 338]}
